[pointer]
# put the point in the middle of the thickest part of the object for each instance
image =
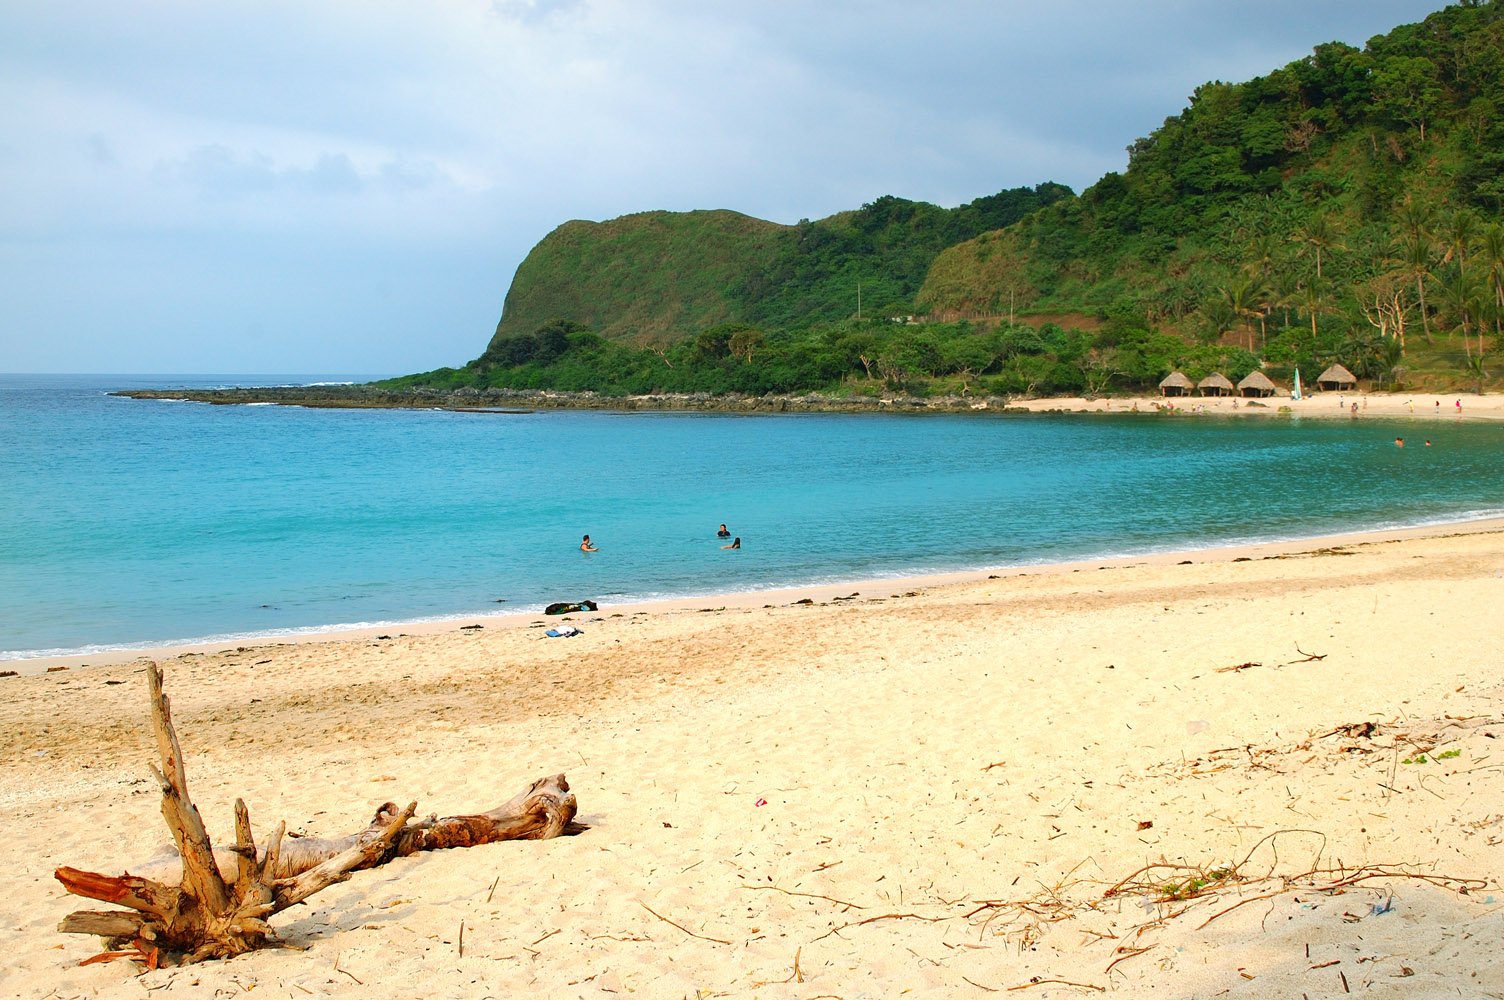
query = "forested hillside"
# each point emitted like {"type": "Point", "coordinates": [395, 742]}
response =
{"type": "Point", "coordinates": [657, 277]}
{"type": "Point", "coordinates": [1346, 207]}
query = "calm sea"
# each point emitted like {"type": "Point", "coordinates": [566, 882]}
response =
{"type": "Point", "coordinates": [127, 522]}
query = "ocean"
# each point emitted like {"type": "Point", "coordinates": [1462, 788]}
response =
{"type": "Point", "coordinates": [137, 523]}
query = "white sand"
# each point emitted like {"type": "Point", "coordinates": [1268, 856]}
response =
{"type": "Point", "coordinates": [1428, 409]}
{"type": "Point", "coordinates": [967, 770]}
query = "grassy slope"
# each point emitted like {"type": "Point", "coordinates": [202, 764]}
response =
{"type": "Point", "coordinates": [644, 277]}
{"type": "Point", "coordinates": [658, 277]}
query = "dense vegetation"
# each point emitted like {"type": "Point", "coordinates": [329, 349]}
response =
{"type": "Point", "coordinates": [1346, 207]}
{"type": "Point", "coordinates": [657, 277]}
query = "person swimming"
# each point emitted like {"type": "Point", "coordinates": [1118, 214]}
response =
{"type": "Point", "coordinates": [723, 533]}
{"type": "Point", "coordinates": [585, 545]}
{"type": "Point", "coordinates": [735, 544]}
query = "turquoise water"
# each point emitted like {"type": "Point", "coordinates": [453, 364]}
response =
{"type": "Point", "coordinates": [126, 522]}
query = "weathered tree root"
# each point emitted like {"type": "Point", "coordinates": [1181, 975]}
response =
{"type": "Point", "coordinates": [219, 906]}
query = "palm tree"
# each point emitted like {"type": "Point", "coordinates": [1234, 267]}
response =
{"type": "Point", "coordinates": [1458, 229]}
{"type": "Point", "coordinates": [1312, 297]}
{"type": "Point", "coordinates": [1283, 292]}
{"type": "Point", "coordinates": [1460, 294]}
{"type": "Point", "coordinates": [1319, 235]}
{"type": "Point", "coordinates": [1416, 217]}
{"type": "Point", "coordinates": [1475, 365]}
{"type": "Point", "coordinates": [1369, 354]}
{"type": "Point", "coordinates": [1244, 299]}
{"type": "Point", "coordinates": [1263, 255]}
{"type": "Point", "coordinates": [1219, 317]}
{"type": "Point", "coordinates": [1491, 256]}
{"type": "Point", "coordinates": [1415, 260]}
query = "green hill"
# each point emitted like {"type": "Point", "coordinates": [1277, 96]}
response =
{"type": "Point", "coordinates": [657, 277]}
{"type": "Point", "coordinates": [1326, 197]}
{"type": "Point", "coordinates": [652, 276]}
{"type": "Point", "coordinates": [1344, 208]}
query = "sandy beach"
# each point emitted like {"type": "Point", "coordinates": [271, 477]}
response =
{"type": "Point", "coordinates": [949, 790]}
{"type": "Point", "coordinates": [1324, 405]}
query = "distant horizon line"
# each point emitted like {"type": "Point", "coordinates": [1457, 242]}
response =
{"type": "Point", "coordinates": [203, 374]}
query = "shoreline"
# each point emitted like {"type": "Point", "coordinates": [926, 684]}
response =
{"type": "Point", "coordinates": [1321, 405]}
{"type": "Point", "coordinates": [855, 590]}
{"type": "Point", "coordinates": [1049, 779]}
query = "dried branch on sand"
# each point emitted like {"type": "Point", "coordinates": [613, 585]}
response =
{"type": "Point", "coordinates": [219, 906]}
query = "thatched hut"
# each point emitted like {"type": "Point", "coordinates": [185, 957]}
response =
{"type": "Point", "coordinates": [1215, 384]}
{"type": "Point", "coordinates": [1256, 383]}
{"type": "Point", "coordinates": [1336, 377]}
{"type": "Point", "coordinates": [1176, 384]}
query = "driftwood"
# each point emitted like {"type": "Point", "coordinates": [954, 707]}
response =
{"type": "Point", "coordinates": [217, 903]}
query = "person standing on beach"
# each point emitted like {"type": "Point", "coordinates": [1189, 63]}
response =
{"type": "Point", "coordinates": [585, 545]}
{"type": "Point", "coordinates": [1459, 407]}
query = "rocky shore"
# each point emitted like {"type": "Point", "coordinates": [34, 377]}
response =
{"type": "Point", "coordinates": [1325, 405]}
{"type": "Point", "coordinates": [514, 400]}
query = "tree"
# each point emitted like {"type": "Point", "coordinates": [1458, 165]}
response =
{"type": "Point", "coordinates": [1475, 367]}
{"type": "Point", "coordinates": [1406, 89]}
{"type": "Point", "coordinates": [1262, 257]}
{"type": "Point", "coordinates": [1458, 230]}
{"type": "Point", "coordinates": [744, 342]}
{"type": "Point", "coordinates": [1416, 217]}
{"type": "Point", "coordinates": [1244, 298]}
{"type": "Point", "coordinates": [1369, 354]}
{"type": "Point", "coordinates": [1313, 297]}
{"type": "Point", "coordinates": [1460, 293]}
{"type": "Point", "coordinates": [1491, 256]}
{"type": "Point", "coordinates": [1319, 235]}
{"type": "Point", "coordinates": [1098, 369]}
{"type": "Point", "coordinates": [1388, 313]}
{"type": "Point", "coordinates": [1415, 261]}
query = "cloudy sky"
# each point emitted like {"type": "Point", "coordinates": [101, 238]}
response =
{"type": "Point", "coordinates": [285, 186]}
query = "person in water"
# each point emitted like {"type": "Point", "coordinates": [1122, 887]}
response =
{"type": "Point", "coordinates": [723, 533]}
{"type": "Point", "coordinates": [585, 545]}
{"type": "Point", "coordinates": [735, 544]}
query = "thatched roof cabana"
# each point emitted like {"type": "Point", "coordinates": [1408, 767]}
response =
{"type": "Point", "coordinates": [1256, 384]}
{"type": "Point", "coordinates": [1215, 384]}
{"type": "Point", "coordinates": [1176, 384]}
{"type": "Point", "coordinates": [1336, 377]}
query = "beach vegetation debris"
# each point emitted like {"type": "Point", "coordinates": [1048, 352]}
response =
{"type": "Point", "coordinates": [1354, 730]}
{"type": "Point", "coordinates": [213, 903]}
{"type": "Point", "coordinates": [1421, 758]}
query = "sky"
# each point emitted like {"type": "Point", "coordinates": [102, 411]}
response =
{"type": "Point", "coordinates": [296, 186]}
